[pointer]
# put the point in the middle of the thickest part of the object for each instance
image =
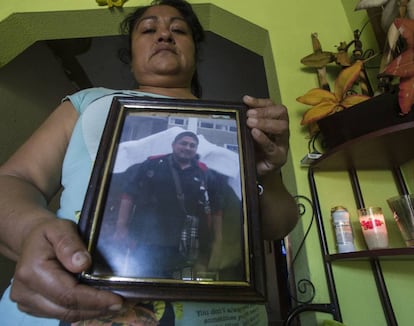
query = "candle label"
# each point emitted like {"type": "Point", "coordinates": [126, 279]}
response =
{"type": "Point", "coordinates": [343, 229]}
{"type": "Point", "coordinates": [370, 223]}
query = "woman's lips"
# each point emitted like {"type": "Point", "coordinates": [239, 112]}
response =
{"type": "Point", "coordinates": [162, 48]}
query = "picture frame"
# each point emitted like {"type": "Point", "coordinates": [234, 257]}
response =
{"type": "Point", "coordinates": [155, 234]}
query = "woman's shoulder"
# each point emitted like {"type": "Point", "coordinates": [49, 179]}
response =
{"type": "Point", "coordinates": [83, 98]}
{"type": "Point", "coordinates": [95, 91]}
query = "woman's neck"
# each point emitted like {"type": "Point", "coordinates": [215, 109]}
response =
{"type": "Point", "coordinates": [183, 93]}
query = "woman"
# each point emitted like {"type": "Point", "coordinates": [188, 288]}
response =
{"type": "Point", "coordinates": [164, 38]}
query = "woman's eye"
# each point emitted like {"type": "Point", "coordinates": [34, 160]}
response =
{"type": "Point", "coordinates": [148, 31]}
{"type": "Point", "coordinates": [179, 31]}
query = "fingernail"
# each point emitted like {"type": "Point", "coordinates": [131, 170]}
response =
{"type": "Point", "coordinates": [252, 120]}
{"type": "Point", "coordinates": [256, 132]}
{"type": "Point", "coordinates": [251, 113]}
{"type": "Point", "coordinates": [116, 307]}
{"type": "Point", "coordinates": [80, 258]}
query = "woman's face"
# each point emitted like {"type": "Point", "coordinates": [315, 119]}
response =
{"type": "Point", "coordinates": [163, 50]}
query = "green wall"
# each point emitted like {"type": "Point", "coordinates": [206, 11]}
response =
{"type": "Point", "coordinates": [280, 31]}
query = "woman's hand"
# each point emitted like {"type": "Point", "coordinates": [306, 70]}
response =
{"type": "Point", "coordinates": [45, 283]}
{"type": "Point", "coordinates": [269, 125]}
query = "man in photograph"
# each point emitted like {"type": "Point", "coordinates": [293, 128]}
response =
{"type": "Point", "coordinates": [170, 213]}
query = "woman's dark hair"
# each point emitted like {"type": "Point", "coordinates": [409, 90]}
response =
{"type": "Point", "coordinates": [128, 24]}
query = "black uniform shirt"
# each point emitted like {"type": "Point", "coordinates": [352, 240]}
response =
{"type": "Point", "coordinates": [159, 215]}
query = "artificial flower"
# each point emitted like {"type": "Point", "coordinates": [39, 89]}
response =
{"type": "Point", "coordinates": [403, 65]}
{"type": "Point", "coordinates": [325, 103]}
{"type": "Point", "coordinates": [391, 9]}
{"type": "Point", "coordinates": [111, 3]}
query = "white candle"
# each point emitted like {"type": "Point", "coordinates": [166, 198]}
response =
{"type": "Point", "coordinates": [374, 229]}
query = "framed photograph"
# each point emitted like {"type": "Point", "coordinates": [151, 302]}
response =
{"type": "Point", "coordinates": [171, 211]}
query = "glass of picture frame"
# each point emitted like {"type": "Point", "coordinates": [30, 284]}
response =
{"type": "Point", "coordinates": [171, 211]}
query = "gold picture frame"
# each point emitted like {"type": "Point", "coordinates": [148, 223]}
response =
{"type": "Point", "coordinates": [205, 247]}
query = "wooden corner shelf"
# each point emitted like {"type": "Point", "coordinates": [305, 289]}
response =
{"type": "Point", "coordinates": [390, 254]}
{"type": "Point", "coordinates": [382, 149]}
{"type": "Point", "coordinates": [386, 147]}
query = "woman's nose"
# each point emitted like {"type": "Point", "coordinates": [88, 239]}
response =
{"type": "Point", "coordinates": [166, 36]}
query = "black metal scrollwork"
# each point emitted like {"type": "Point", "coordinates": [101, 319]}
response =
{"type": "Point", "coordinates": [304, 286]}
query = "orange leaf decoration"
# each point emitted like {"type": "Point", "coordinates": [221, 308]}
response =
{"type": "Point", "coordinates": [325, 103]}
{"type": "Point", "coordinates": [316, 96]}
{"type": "Point", "coordinates": [318, 112]}
{"type": "Point", "coordinates": [406, 94]}
{"type": "Point", "coordinates": [347, 78]}
{"type": "Point", "coordinates": [352, 100]}
{"type": "Point", "coordinates": [402, 66]}
{"type": "Point", "coordinates": [406, 27]}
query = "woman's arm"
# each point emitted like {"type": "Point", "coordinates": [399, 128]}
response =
{"type": "Point", "coordinates": [48, 250]}
{"type": "Point", "coordinates": [269, 125]}
{"type": "Point", "coordinates": [30, 179]}
{"type": "Point", "coordinates": [279, 210]}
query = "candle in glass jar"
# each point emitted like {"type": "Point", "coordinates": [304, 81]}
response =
{"type": "Point", "coordinates": [373, 227]}
{"type": "Point", "coordinates": [343, 229]}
